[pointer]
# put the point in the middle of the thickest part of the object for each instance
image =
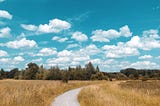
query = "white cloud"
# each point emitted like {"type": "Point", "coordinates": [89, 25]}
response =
{"type": "Point", "coordinates": [59, 39]}
{"type": "Point", "coordinates": [37, 60]}
{"type": "Point", "coordinates": [79, 36]}
{"type": "Point", "coordinates": [61, 61]}
{"type": "Point", "coordinates": [29, 27]}
{"type": "Point", "coordinates": [65, 53]}
{"type": "Point", "coordinates": [72, 46]}
{"type": "Point", "coordinates": [3, 53]}
{"type": "Point", "coordinates": [119, 51]}
{"type": "Point", "coordinates": [68, 58]}
{"type": "Point", "coordinates": [22, 43]}
{"type": "Point", "coordinates": [5, 32]}
{"type": "Point", "coordinates": [144, 43]}
{"type": "Point", "coordinates": [158, 57]}
{"type": "Point", "coordinates": [5, 14]}
{"type": "Point", "coordinates": [125, 31]}
{"type": "Point", "coordinates": [90, 50]}
{"type": "Point", "coordinates": [105, 36]}
{"type": "Point", "coordinates": [4, 60]}
{"type": "Point", "coordinates": [81, 58]}
{"type": "Point", "coordinates": [54, 26]}
{"type": "Point", "coordinates": [146, 57]}
{"type": "Point", "coordinates": [96, 61]}
{"type": "Point", "coordinates": [144, 65]}
{"type": "Point", "coordinates": [99, 37]}
{"type": "Point", "coordinates": [63, 39]}
{"type": "Point", "coordinates": [18, 59]}
{"type": "Point", "coordinates": [2, 1]}
{"type": "Point", "coordinates": [47, 52]}
{"type": "Point", "coordinates": [148, 41]}
{"type": "Point", "coordinates": [151, 33]}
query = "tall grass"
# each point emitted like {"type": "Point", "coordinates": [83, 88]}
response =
{"type": "Point", "coordinates": [132, 93]}
{"type": "Point", "coordinates": [34, 93]}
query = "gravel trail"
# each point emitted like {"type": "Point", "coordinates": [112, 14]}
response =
{"type": "Point", "coordinates": [68, 98]}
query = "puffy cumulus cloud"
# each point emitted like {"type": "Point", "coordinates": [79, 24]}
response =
{"type": "Point", "coordinates": [59, 39]}
{"type": "Point", "coordinates": [119, 51]}
{"type": "Point", "coordinates": [2, 1]}
{"type": "Point", "coordinates": [5, 14]}
{"type": "Point", "coordinates": [151, 33]}
{"type": "Point", "coordinates": [54, 26]}
{"type": "Point", "coordinates": [109, 65]}
{"type": "Point", "coordinates": [68, 58]}
{"type": "Point", "coordinates": [79, 58]}
{"type": "Point", "coordinates": [144, 65]}
{"type": "Point", "coordinates": [96, 61]}
{"type": "Point", "coordinates": [61, 61]}
{"type": "Point", "coordinates": [144, 43]}
{"type": "Point", "coordinates": [73, 58]}
{"type": "Point", "coordinates": [5, 60]}
{"type": "Point", "coordinates": [72, 46]}
{"type": "Point", "coordinates": [37, 60]}
{"type": "Point", "coordinates": [29, 27]}
{"type": "Point", "coordinates": [105, 36]}
{"type": "Point", "coordinates": [149, 40]}
{"type": "Point", "coordinates": [14, 60]}
{"type": "Point", "coordinates": [10, 63]}
{"type": "Point", "coordinates": [158, 57]}
{"type": "Point", "coordinates": [3, 53]}
{"type": "Point", "coordinates": [18, 59]}
{"type": "Point", "coordinates": [146, 57]}
{"type": "Point", "coordinates": [22, 43]}
{"type": "Point", "coordinates": [5, 32]}
{"type": "Point", "coordinates": [65, 53]}
{"type": "Point", "coordinates": [47, 52]}
{"type": "Point", "coordinates": [79, 36]}
{"type": "Point", "coordinates": [90, 50]}
{"type": "Point", "coordinates": [99, 36]}
{"type": "Point", "coordinates": [125, 31]}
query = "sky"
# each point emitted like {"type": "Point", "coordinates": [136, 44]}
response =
{"type": "Point", "coordinates": [113, 34]}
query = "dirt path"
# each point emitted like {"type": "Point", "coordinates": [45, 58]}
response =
{"type": "Point", "coordinates": [68, 98]}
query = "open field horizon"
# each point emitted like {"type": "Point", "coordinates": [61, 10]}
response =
{"type": "Point", "coordinates": [34, 92]}
{"type": "Point", "coordinates": [122, 93]}
{"type": "Point", "coordinates": [94, 93]}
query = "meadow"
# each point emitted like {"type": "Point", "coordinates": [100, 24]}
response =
{"type": "Point", "coordinates": [34, 92]}
{"type": "Point", "coordinates": [95, 93]}
{"type": "Point", "coordinates": [121, 93]}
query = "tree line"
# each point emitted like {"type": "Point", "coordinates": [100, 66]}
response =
{"type": "Point", "coordinates": [35, 72]}
{"type": "Point", "coordinates": [89, 72]}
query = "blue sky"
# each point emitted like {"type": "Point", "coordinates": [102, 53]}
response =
{"type": "Point", "coordinates": [109, 33]}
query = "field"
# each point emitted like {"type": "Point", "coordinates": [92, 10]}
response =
{"type": "Point", "coordinates": [121, 93]}
{"type": "Point", "coordinates": [34, 92]}
{"type": "Point", "coordinates": [96, 93]}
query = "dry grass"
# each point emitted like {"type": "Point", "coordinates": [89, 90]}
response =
{"type": "Point", "coordinates": [34, 93]}
{"type": "Point", "coordinates": [116, 93]}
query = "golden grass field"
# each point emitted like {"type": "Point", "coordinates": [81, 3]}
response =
{"type": "Point", "coordinates": [34, 92]}
{"type": "Point", "coordinates": [96, 93]}
{"type": "Point", "coordinates": [121, 93]}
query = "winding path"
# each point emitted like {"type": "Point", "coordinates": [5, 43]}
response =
{"type": "Point", "coordinates": [68, 98]}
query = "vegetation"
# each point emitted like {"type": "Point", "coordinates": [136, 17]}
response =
{"type": "Point", "coordinates": [34, 93]}
{"type": "Point", "coordinates": [34, 72]}
{"type": "Point", "coordinates": [141, 73]}
{"type": "Point", "coordinates": [89, 72]}
{"type": "Point", "coordinates": [112, 93]}
{"type": "Point", "coordinates": [121, 93]}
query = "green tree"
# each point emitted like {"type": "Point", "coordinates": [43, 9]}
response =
{"type": "Point", "coordinates": [97, 69]}
{"type": "Point", "coordinates": [30, 72]}
{"type": "Point", "coordinates": [90, 70]}
{"type": "Point", "coordinates": [13, 73]}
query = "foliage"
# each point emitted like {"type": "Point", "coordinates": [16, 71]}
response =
{"type": "Point", "coordinates": [89, 72]}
